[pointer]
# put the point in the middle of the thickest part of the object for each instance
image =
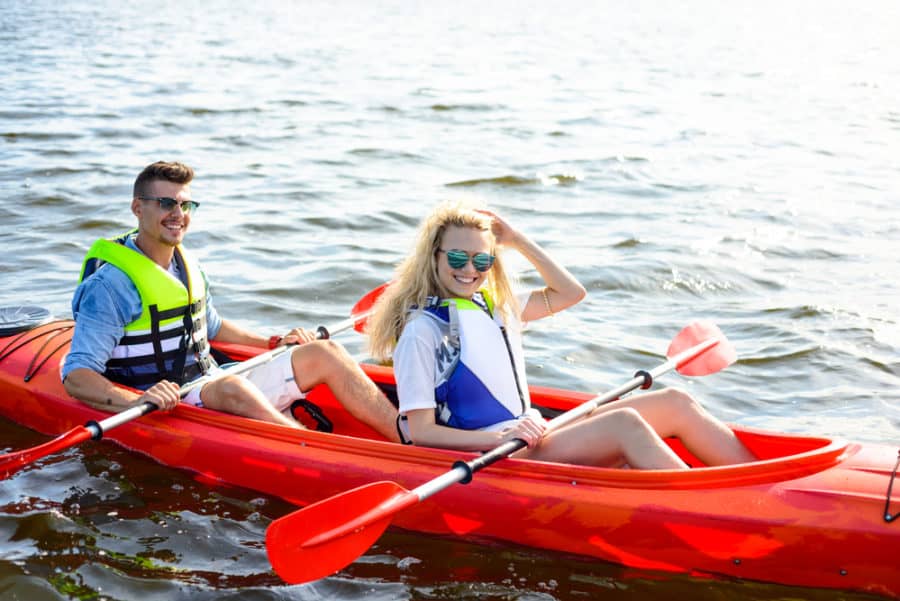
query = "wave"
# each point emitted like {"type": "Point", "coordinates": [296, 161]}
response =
{"type": "Point", "coordinates": [628, 243]}
{"type": "Point", "coordinates": [200, 111]}
{"type": "Point", "coordinates": [559, 179]}
{"type": "Point", "coordinates": [39, 136]}
{"type": "Point", "coordinates": [464, 107]}
{"type": "Point", "coordinates": [386, 153]}
{"type": "Point", "coordinates": [103, 225]}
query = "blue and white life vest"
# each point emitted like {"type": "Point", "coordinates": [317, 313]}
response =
{"type": "Point", "coordinates": [481, 375]}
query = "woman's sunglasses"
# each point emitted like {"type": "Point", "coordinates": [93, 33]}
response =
{"type": "Point", "coordinates": [457, 259]}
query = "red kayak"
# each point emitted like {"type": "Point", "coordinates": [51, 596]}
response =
{"type": "Point", "coordinates": [811, 511]}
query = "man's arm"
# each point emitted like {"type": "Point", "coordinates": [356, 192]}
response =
{"type": "Point", "coordinates": [96, 390]}
{"type": "Point", "coordinates": [102, 305]}
{"type": "Point", "coordinates": [233, 333]}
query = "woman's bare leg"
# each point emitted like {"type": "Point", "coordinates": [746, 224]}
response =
{"type": "Point", "coordinates": [673, 412]}
{"type": "Point", "coordinates": [616, 437]}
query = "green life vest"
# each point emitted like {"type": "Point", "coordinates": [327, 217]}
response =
{"type": "Point", "coordinates": [172, 322]}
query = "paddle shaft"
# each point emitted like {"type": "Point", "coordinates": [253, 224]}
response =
{"type": "Point", "coordinates": [463, 470]}
{"type": "Point", "coordinates": [322, 333]}
{"type": "Point", "coordinates": [98, 428]}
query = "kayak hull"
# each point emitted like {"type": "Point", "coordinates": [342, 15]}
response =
{"type": "Point", "coordinates": [810, 512]}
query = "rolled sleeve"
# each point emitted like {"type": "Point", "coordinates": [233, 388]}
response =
{"type": "Point", "coordinates": [213, 320]}
{"type": "Point", "coordinates": [102, 306]}
{"type": "Point", "coordinates": [414, 365]}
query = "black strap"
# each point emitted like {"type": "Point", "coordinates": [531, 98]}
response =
{"type": "Point", "coordinates": [187, 340]}
{"type": "Point", "coordinates": [402, 432]}
{"type": "Point", "coordinates": [888, 516]}
{"type": "Point", "coordinates": [145, 338]}
{"type": "Point", "coordinates": [480, 301]}
{"type": "Point", "coordinates": [140, 381]}
{"type": "Point", "coordinates": [323, 424]}
{"type": "Point", "coordinates": [512, 363]}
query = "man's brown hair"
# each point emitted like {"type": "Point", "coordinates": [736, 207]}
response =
{"type": "Point", "coordinates": [176, 172]}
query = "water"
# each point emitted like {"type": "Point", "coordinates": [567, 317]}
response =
{"type": "Point", "coordinates": [734, 163]}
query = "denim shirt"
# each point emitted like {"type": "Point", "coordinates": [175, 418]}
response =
{"type": "Point", "coordinates": [102, 306]}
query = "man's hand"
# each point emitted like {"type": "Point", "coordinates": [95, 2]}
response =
{"type": "Point", "coordinates": [297, 336]}
{"type": "Point", "coordinates": [165, 395]}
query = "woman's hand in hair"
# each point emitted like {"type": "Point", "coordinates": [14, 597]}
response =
{"type": "Point", "coordinates": [504, 233]}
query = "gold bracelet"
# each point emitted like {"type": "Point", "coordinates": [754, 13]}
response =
{"type": "Point", "coordinates": [546, 301]}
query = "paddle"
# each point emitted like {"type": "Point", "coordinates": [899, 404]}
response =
{"type": "Point", "coordinates": [366, 303]}
{"type": "Point", "coordinates": [10, 463]}
{"type": "Point", "coordinates": [320, 539]}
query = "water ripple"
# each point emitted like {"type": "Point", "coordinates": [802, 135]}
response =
{"type": "Point", "coordinates": [517, 180]}
{"type": "Point", "coordinates": [739, 186]}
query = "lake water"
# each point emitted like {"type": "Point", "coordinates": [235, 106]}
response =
{"type": "Point", "coordinates": [705, 160]}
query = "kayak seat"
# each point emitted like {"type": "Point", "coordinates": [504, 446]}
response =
{"type": "Point", "coordinates": [221, 357]}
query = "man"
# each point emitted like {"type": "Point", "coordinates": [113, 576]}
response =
{"type": "Point", "coordinates": [144, 316]}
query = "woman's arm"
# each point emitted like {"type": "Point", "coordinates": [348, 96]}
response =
{"type": "Point", "coordinates": [424, 431]}
{"type": "Point", "coordinates": [562, 290]}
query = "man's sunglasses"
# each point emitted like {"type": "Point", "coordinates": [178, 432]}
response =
{"type": "Point", "coordinates": [457, 259]}
{"type": "Point", "coordinates": [168, 204]}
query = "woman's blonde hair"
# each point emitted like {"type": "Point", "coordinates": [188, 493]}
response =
{"type": "Point", "coordinates": [416, 277]}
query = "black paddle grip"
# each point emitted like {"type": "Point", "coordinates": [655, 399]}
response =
{"type": "Point", "coordinates": [468, 469]}
{"type": "Point", "coordinates": [648, 379]}
{"type": "Point", "coordinates": [503, 451]}
{"type": "Point", "coordinates": [95, 429]}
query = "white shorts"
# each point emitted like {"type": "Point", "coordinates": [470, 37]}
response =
{"type": "Point", "coordinates": [275, 379]}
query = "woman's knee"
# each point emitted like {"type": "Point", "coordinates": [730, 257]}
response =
{"type": "Point", "coordinates": [623, 430]}
{"type": "Point", "coordinates": [681, 400]}
{"type": "Point", "coordinates": [626, 420]}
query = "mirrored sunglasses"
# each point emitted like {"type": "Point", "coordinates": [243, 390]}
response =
{"type": "Point", "coordinates": [457, 259]}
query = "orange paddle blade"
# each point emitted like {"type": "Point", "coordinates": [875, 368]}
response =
{"type": "Point", "coordinates": [321, 539]}
{"type": "Point", "coordinates": [710, 361]}
{"type": "Point", "coordinates": [365, 304]}
{"type": "Point", "coordinates": [13, 462]}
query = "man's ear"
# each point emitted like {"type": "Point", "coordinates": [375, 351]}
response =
{"type": "Point", "coordinates": [136, 207]}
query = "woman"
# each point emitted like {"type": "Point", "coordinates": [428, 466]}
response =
{"type": "Point", "coordinates": [452, 325]}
